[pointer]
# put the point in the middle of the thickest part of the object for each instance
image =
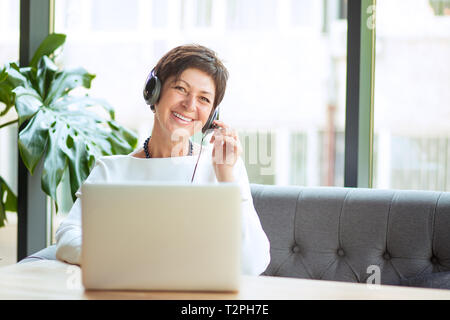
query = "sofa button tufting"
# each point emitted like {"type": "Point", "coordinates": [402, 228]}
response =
{"type": "Point", "coordinates": [341, 252]}
{"type": "Point", "coordinates": [296, 249]}
{"type": "Point", "coordinates": [386, 256]}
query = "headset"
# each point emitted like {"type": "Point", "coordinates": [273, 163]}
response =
{"type": "Point", "coordinates": [152, 90]}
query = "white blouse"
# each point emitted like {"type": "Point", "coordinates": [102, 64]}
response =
{"type": "Point", "coordinates": [255, 245]}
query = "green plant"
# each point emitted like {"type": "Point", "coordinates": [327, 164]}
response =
{"type": "Point", "coordinates": [56, 125]}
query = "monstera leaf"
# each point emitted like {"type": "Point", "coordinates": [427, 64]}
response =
{"type": "Point", "coordinates": [56, 126]}
{"type": "Point", "coordinates": [11, 76]}
{"type": "Point", "coordinates": [8, 203]}
{"type": "Point", "coordinates": [6, 95]}
{"type": "Point", "coordinates": [48, 47]}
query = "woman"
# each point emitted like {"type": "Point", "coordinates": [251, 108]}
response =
{"type": "Point", "coordinates": [183, 90]}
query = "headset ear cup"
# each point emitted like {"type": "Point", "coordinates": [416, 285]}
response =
{"type": "Point", "coordinates": [156, 91]}
{"type": "Point", "coordinates": [152, 90]}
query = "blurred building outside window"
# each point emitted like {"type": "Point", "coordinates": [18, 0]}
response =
{"type": "Point", "coordinates": [412, 96]}
{"type": "Point", "coordinates": [9, 52]}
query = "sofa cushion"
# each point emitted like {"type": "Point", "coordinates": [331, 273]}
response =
{"type": "Point", "coordinates": [438, 280]}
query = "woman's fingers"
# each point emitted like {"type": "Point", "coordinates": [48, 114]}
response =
{"type": "Point", "coordinates": [221, 124]}
{"type": "Point", "coordinates": [227, 147]}
{"type": "Point", "coordinates": [224, 132]}
{"type": "Point", "coordinates": [226, 150]}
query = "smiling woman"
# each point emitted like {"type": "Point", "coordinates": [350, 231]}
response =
{"type": "Point", "coordinates": [184, 102]}
{"type": "Point", "coordinates": [184, 91]}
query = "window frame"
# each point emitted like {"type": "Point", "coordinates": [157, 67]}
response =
{"type": "Point", "coordinates": [359, 126]}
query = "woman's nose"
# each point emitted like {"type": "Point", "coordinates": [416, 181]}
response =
{"type": "Point", "coordinates": [189, 102]}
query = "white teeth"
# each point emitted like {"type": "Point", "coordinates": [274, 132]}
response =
{"type": "Point", "coordinates": [181, 117]}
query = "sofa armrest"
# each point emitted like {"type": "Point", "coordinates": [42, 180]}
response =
{"type": "Point", "coordinates": [48, 253]}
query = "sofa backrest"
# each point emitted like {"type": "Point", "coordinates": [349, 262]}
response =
{"type": "Point", "coordinates": [350, 234]}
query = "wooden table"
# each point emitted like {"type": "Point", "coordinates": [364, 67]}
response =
{"type": "Point", "coordinates": [48, 279]}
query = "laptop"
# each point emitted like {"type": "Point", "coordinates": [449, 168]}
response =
{"type": "Point", "coordinates": [161, 236]}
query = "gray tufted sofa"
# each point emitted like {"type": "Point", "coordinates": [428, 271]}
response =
{"type": "Point", "coordinates": [346, 234]}
{"type": "Point", "coordinates": [339, 233]}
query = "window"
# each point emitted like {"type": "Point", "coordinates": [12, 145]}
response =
{"type": "Point", "coordinates": [254, 15]}
{"type": "Point", "coordinates": [159, 13]}
{"type": "Point", "coordinates": [440, 7]}
{"type": "Point", "coordinates": [9, 52]}
{"type": "Point", "coordinates": [204, 12]}
{"type": "Point", "coordinates": [9, 35]}
{"type": "Point", "coordinates": [343, 6]}
{"type": "Point", "coordinates": [286, 92]}
{"type": "Point", "coordinates": [112, 15]}
{"type": "Point", "coordinates": [411, 95]}
{"type": "Point", "coordinates": [301, 12]}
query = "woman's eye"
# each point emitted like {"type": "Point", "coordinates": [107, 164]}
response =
{"type": "Point", "coordinates": [205, 99]}
{"type": "Point", "coordinates": [179, 88]}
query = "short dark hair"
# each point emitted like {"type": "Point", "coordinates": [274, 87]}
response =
{"type": "Point", "coordinates": [183, 57]}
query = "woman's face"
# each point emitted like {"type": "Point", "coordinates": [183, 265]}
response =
{"type": "Point", "coordinates": [185, 102]}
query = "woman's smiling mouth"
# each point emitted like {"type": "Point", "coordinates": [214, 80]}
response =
{"type": "Point", "coordinates": [181, 117]}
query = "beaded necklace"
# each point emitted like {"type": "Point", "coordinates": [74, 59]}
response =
{"type": "Point", "coordinates": [147, 154]}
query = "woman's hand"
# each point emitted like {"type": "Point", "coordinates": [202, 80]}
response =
{"type": "Point", "coordinates": [227, 149]}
